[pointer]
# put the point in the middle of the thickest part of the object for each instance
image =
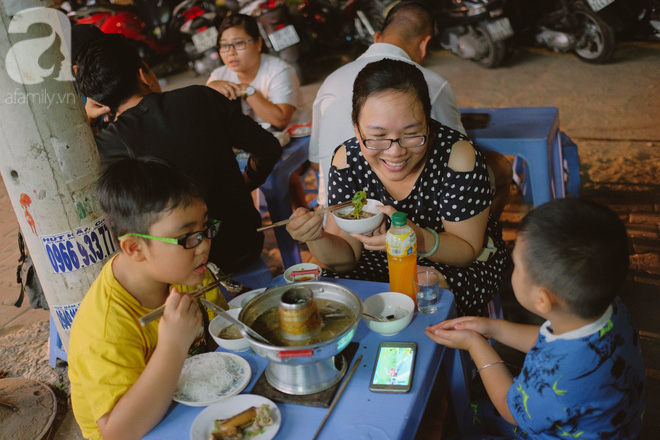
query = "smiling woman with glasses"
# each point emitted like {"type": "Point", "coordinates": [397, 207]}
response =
{"type": "Point", "coordinates": [413, 164]}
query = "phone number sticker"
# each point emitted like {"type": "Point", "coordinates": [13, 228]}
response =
{"type": "Point", "coordinates": [65, 314]}
{"type": "Point", "coordinates": [74, 250]}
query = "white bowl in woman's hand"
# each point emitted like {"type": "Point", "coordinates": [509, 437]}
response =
{"type": "Point", "coordinates": [364, 225]}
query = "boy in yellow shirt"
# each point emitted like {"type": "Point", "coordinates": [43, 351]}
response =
{"type": "Point", "coordinates": [123, 375]}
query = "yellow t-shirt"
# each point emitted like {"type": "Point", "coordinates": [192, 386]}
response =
{"type": "Point", "coordinates": [109, 349]}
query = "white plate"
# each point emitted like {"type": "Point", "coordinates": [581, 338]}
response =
{"type": "Point", "coordinates": [211, 362]}
{"type": "Point", "coordinates": [203, 423]}
{"type": "Point", "coordinates": [300, 130]}
{"type": "Point", "coordinates": [237, 301]}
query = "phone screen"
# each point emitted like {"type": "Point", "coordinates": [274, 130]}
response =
{"type": "Point", "coordinates": [394, 366]}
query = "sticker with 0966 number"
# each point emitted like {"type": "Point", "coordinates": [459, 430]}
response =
{"type": "Point", "coordinates": [74, 250]}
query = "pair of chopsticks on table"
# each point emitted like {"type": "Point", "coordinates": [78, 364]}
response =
{"type": "Point", "coordinates": [336, 399]}
{"type": "Point", "coordinates": [320, 211]}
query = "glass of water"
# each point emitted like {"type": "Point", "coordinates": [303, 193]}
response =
{"type": "Point", "coordinates": [427, 288]}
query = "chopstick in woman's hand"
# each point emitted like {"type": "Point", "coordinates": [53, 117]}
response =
{"type": "Point", "coordinates": [320, 211]}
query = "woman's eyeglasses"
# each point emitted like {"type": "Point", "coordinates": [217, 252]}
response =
{"type": "Point", "coordinates": [384, 144]}
{"type": "Point", "coordinates": [188, 241]}
{"type": "Point", "coordinates": [238, 45]}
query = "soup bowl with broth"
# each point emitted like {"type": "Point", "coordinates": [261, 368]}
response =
{"type": "Point", "coordinates": [370, 219]}
{"type": "Point", "coordinates": [226, 334]}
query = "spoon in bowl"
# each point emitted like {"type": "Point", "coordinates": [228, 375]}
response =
{"type": "Point", "coordinates": [234, 321]}
{"type": "Point", "coordinates": [388, 318]}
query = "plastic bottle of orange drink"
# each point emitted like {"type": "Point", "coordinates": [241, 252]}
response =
{"type": "Point", "coordinates": [401, 245]}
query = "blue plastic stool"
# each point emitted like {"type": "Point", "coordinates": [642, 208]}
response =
{"type": "Point", "coordinates": [531, 133]}
{"type": "Point", "coordinates": [571, 165]}
{"type": "Point", "coordinates": [55, 348]}
{"type": "Point", "coordinates": [570, 170]}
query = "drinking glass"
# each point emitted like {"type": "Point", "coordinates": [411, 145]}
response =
{"type": "Point", "coordinates": [427, 288]}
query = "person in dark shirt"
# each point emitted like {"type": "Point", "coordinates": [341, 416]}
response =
{"type": "Point", "coordinates": [82, 35]}
{"type": "Point", "coordinates": [194, 129]}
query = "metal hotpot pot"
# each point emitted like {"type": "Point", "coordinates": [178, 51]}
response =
{"type": "Point", "coordinates": [304, 369]}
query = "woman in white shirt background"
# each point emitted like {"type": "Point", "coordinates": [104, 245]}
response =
{"type": "Point", "coordinates": [267, 86]}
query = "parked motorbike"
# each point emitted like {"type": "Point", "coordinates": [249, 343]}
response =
{"type": "Point", "coordinates": [566, 25]}
{"type": "Point", "coordinates": [343, 23]}
{"type": "Point", "coordinates": [649, 16]}
{"type": "Point", "coordinates": [477, 30]}
{"type": "Point", "coordinates": [636, 19]}
{"type": "Point", "coordinates": [160, 29]}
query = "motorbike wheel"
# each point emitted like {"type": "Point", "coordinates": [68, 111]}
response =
{"type": "Point", "coordinates": [496, 49]}
{"type": "Point", "coordinates": [596, 43]}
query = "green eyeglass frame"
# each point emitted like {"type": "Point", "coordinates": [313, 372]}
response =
{"type": "Point", "coordinates": [188, 241]}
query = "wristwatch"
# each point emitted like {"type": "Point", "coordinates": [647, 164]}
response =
{"type": "Point", "coordinates": [249, 91]}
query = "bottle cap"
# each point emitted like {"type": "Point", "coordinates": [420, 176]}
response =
{"type": "Point", "coordinates": [399, 219]}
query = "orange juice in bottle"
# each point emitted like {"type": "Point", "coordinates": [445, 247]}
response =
{"type": "Point", "coordinates": [401, 245]}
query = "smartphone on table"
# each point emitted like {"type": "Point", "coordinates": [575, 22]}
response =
{"type": "Point", "coordinates": [394, 367]}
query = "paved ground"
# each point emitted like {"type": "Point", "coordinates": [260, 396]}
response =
{"type": "Point", "coordinates": [610, 111]}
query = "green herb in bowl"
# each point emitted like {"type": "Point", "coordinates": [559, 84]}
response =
{"type": "Point", "coordinates": [359, 200]}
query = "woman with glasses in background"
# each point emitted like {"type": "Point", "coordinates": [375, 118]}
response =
{"type": "Point", "coordinates": [412, 164]}
{"type": "Point", "coordinates": [267, 87]}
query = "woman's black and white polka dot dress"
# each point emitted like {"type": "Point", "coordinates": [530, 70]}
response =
{"type": "Point", "coordinates": [440, 193]}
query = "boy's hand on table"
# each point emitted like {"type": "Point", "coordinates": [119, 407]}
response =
{"type": "Point", "coordinates": [180, 322]}
{"type": "Point", "coordinates": [483, 326]}
{"type": "Point", "coordinates": [452, 338]}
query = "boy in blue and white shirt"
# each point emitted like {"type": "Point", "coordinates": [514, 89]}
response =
{"type": "Point", "coordinates": [583, 375]}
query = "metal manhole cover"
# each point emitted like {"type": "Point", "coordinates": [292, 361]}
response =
{"type": "Point", "coordinates": [27, 408]}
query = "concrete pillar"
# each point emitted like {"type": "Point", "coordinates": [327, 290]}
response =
{"type": "Point", "coordinates": [48, 158]}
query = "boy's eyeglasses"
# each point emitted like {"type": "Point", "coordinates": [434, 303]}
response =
{"type": "Point", "coordinates": [238, 45]}
{"type": "Point", "coordinates": [384, 144]}
{"type": "Point", "coordinates": [188, 241]}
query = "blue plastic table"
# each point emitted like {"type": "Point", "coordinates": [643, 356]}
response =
{"type": "Point", "coordinates": [359, 413]}
{"type": "Point", "coordinates": [531, 133]}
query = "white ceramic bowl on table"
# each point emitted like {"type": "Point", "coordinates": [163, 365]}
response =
{"type": "Point", "coordinates": [363, 225]}
{"type": "Point", "coordinates": [384, 304]}
{"type": "Point", "coordinates": [302, 277]}
{"type": "Point", "coordinates": [218, 324]}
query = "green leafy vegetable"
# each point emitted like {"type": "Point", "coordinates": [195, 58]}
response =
{"type": "Point", "coordinates": [359, 200]}
{"type": "Point", "coordinates": [260, 422]}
